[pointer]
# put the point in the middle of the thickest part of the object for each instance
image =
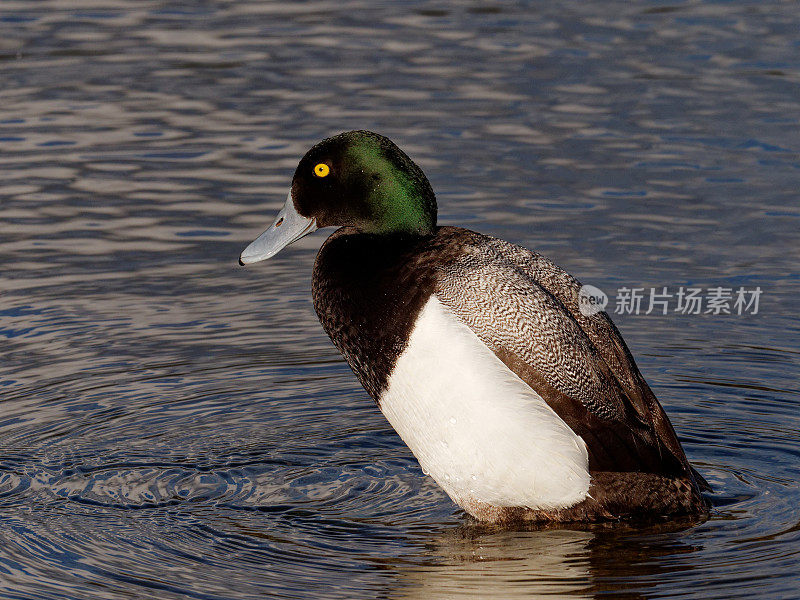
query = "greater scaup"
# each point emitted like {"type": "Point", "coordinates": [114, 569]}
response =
{"type": "Point", "coordinates": [518, 405]}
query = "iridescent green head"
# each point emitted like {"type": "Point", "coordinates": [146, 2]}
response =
{"type": "Point", "coordinates": [363, 179]}
{"type": "Point", "coordinates": [358, 179]}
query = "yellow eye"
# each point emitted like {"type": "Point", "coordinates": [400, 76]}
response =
{"type": "Point", "coordinates": [322, 170]}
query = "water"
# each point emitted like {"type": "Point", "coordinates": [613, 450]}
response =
{"type": "Point", "coordinates": [176, 426]}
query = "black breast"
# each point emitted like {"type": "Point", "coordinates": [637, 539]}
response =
{"type": "Point", "coordinates": [368, 291]}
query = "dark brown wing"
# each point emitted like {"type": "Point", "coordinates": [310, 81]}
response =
{"type": "Point", "coordinates": [525, 309]}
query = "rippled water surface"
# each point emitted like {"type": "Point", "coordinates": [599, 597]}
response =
{"type": "Point", "coordinates": [175, 426]}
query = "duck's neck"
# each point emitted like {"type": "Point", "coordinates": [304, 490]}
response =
{"type": "Point", "coordinates": [368, 290]}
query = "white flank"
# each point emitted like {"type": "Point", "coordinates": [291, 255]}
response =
{"type": "Point", "coordinates": [479, 430]}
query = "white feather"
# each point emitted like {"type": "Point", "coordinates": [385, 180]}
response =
{"type": "Point", "coordinates": [480, 431]}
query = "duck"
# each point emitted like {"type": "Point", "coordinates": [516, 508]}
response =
{"type": "Point", "coordinates": [521, 407]}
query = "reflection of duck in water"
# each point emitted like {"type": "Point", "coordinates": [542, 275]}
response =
{"type": "Point", "coordinates": [506, 564]}
{"type": "Point", "coordinates": [518, 405]}
{"type": "Point", "coordinates": [545, 560]}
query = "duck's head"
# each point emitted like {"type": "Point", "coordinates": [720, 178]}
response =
{"type": "Point", "coordinates": [358, 179]}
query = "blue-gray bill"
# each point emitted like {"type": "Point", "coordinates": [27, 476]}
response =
{"type": "Point", "coordinates": [289, 226]}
